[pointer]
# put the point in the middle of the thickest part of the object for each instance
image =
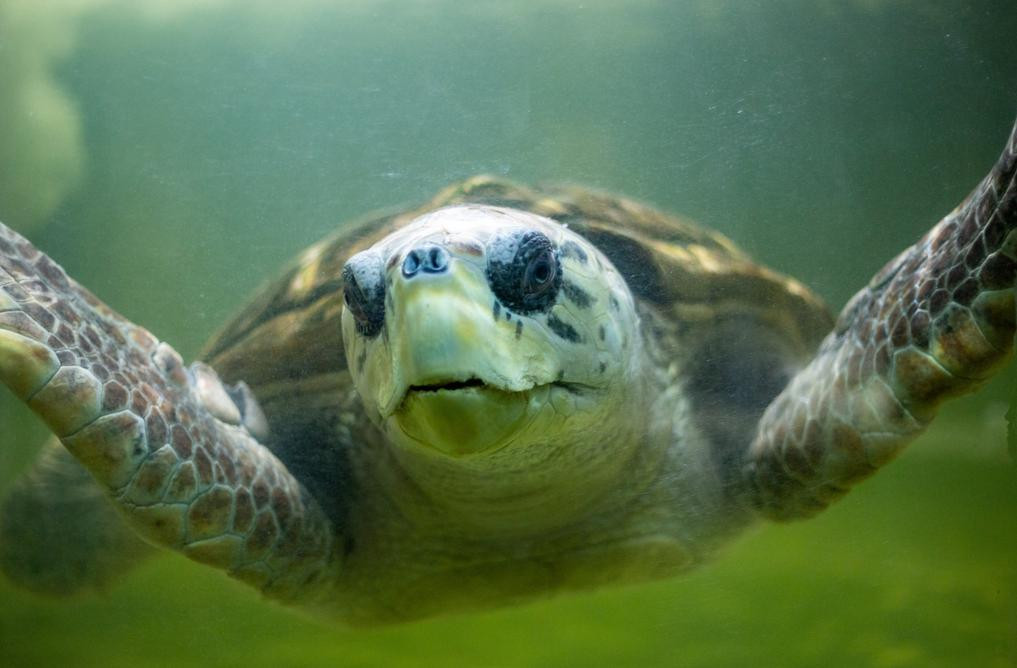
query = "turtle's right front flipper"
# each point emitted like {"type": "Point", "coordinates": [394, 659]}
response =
{"type": "Point", "coordinates": [934, 323]}
{"type": "Point", "coordinates": [173, 449]}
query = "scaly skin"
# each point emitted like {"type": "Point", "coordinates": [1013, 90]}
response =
{"type": "Point", "coordinates": [934, 323]}
{"type": "Point", "coordinates": [124, 405]}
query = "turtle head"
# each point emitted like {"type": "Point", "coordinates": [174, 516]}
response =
{"type": "Point", "coordinates": [475, 330]}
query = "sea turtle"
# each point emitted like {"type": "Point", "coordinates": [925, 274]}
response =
{"type": "Point", "coordinates": [504, 393]}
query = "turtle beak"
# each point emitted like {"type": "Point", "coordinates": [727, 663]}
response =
{"type": "Point", "coordinates": [461, 385]}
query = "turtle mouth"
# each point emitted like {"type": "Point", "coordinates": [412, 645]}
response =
{"type": "Point", "coordinates": [471, 416]}
{"type": "Point", "coordinates": [475, 382]}
{"type": "Point", "coordinates": [449, 386]}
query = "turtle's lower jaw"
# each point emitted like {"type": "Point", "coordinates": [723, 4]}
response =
{"type": "Point", "coordinates": [468, 417]}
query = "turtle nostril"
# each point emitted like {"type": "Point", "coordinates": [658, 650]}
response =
{"type": "Point", "coordinates": [430, 259]}
{"type": "Point", "coordinates": [437, 260]}
{"type": "Point", "coordinates": [411, 265]}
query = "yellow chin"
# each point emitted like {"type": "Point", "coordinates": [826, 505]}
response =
{"type": "Point", "coordinates": [464, 421]}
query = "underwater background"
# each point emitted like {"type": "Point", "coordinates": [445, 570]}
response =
{"type": "Point", "coordinates": [174, 155]}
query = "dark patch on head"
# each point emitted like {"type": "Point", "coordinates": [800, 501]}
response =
{"type": "Point", "coordinates": [634, 260]}
{"type": "Point", "coordinates": [508, 315]}
{"type": "Point", "coordinates": [562, 329]}
{"type": "Point", "coordinates": [364, 292]}
{"type": "Point", "coordinates": [576, 294]}
{"type": "Point", "coordinates": [361, 360]}
{"type": "Point", "coordinates": [573, 250]}
{"type": "Point", "coordinates": [614, 303]}
{"type": "Point", "coordinates": [603, 366]}
{"type": "Point", "coordinates": [561, 375]}
{"type": "Point", "coordinates": [602, 333]}
{"type": "Point", "coordinates": [519, 329]}
{"type": "Point", "coordinates": [497, 309]}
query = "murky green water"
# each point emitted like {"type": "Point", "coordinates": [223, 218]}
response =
{"type": "Point", "coordinates": [172, 155]}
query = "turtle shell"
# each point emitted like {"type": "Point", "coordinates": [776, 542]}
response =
{"type": "Point", "coordinates": [731, 331]}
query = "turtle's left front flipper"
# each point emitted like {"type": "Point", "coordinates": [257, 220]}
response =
{"type": "Point", "coordinates": [172, 446]}
{"type": "Point", "coordinates": [59, 533]}
{"type": "Point", "coordinates": [936, 322]}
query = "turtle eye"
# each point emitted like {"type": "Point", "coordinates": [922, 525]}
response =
{"type": "Point", "coordinates": [540, 274]}
{"type": "Point", "coordinates": [364, 291]}
{"type": "Point", "coordinates": [523, 271]}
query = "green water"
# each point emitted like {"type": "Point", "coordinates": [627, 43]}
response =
{"type": "Point", "coordinates": [172, 155]}
{"type": "Point", "coordinates": [916, 568]}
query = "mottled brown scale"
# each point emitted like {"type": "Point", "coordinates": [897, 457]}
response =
{"type": "Point", "coordinates": [262, 535]}
{"type": "Point", "coordinates": [261, 494]}
{"type": "Point", "coordinates": [138, 403]}
{"type": "Point", "coordinates": [920, 323]}
{"type": "Point", "coordinates": [180, 440]}
{"type": "Point", "coordinates": [998, 272]}
{"type": "Point", "coordinates": [226, 464]}
{"type": "Point", "coordinates": [17, 321]}
{"type": "Point", "coordinates": [938, 301]}
{"type": "Point", "coordinates": [84, 346]}
{"type": "Point", "coordinates": [111, 364]}
{"type": "Point", "coordinates": [17, 268]}
{"type": "Point", "coordinates": [153, 476]}
{"type": "Point", "coordinates": [209, 515]}
{"type": "Point", "coordinates": [184, 482]}
{"type": "Point", "coordinates": [203, 465]}
{"type": "Point", "coordinates": [965, 293]}
{"type": "Point", "coordinates": [994, 233]}
{"type": "Point", "coordinates": [71, 319]}
{"type": "Point", "coordinates": [114, 396]}
{"type": "Point", "coordinates": [20, 295]}
{"type": "Point", "coordinates": [243, 512]}
{"type": "Point", "coordinates": [146, 390]}
{"type": "Point", "coordinates": [246, 471]}
{"type": "Point", "coordinates": [289, 541]}
{"type": "Point", "coordinates": [48, 321]}
{"type": "Point", "coordinates": [280, 504]}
